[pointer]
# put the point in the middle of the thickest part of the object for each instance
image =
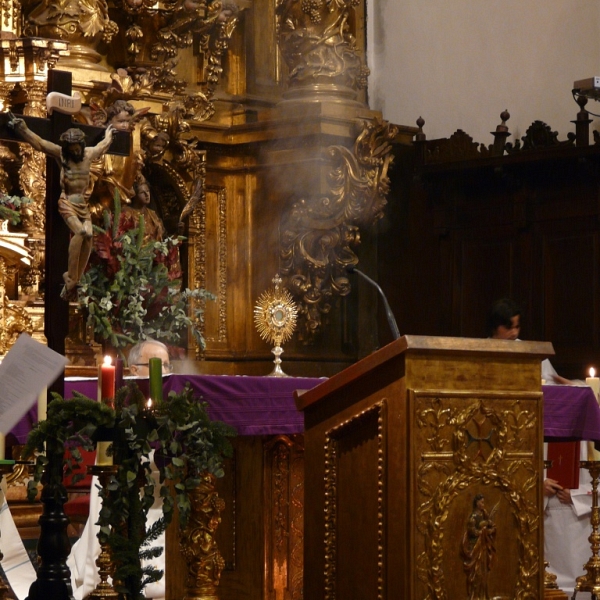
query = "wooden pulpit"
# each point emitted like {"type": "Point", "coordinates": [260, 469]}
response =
{"type": "Point", "coordinates": [423, 473]}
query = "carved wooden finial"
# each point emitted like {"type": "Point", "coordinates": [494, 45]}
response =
{"type": "Point", "coordinates": [505, 116]}
{"type": "Point", "coordinates": [582, 123]}
{"type": "Point", "coordinates": [420, 135]}
{"type": "Point", "coordinates": [582, 101]}
{"type": "Point", "coordinates": [500, 135]}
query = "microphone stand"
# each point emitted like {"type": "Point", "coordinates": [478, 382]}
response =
{"type": "Point", "coordinates": [388, 310]}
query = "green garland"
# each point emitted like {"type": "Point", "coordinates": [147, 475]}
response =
{"type": "Point", "coordinates": [10, 207]}
{"type": "Point", "coordinates": [132, 288]}
{"type": "Point", "coordinates": [186, 444]}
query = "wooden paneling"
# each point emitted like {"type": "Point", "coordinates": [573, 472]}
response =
{"type": "Point", "coordinates": [464, 233]}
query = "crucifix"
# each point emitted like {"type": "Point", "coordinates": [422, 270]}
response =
{"type": "Point", "coordinates": [57, 231]}
{"type": "Point", "coordinates": [53, 577]}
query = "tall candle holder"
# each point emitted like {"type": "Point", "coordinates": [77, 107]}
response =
{"type": "Point", "coordinates": [591, 581]}
{"type": "Point", "coordinates": [551, 589]}
{"type": "Point", "coordinates": [6, 468]}
{"type": "Point", "coordinates": [104, 562]}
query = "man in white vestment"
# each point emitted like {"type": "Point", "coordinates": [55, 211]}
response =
{"type": "Point", "coordinates": [567, 512]}
{"type": "Point", "coordinates": [567, 528]}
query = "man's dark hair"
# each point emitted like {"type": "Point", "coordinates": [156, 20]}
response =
{"type": "Point", "coordinates": [501, 313]}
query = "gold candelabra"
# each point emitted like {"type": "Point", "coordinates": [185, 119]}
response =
{"type": "Point", "coordinates": [104, 563]}
{"type": "Point", "coordinates": [590, 582]}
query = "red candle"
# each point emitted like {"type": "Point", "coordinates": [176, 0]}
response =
{"type": "Point", "coordinates": [106, 388]}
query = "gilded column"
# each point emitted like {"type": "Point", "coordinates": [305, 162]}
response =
{"type": "Point", "coordinates": [320, 51]}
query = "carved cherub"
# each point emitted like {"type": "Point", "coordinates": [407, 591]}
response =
{"type": "Point", "coordinates": [116, 173]}
{"type": "Point", "coordinates": [154, 142]}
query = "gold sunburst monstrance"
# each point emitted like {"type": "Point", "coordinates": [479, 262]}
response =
{"type": "Point", "coordinates": [275, 317]}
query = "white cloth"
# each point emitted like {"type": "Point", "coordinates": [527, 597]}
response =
{"type": "Point", "coordinates": [16, 562]}
{"type": "Point", "coordinates": [85, 551]}
{"type": "Point", "coordinates": [567, 529]}
{"type": "Point", "coordinates": [548, 372]}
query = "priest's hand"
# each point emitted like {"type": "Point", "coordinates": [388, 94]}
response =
{"type": "Point", "coordinates": [552, 487]}
{"type": "Point", "coordinates": [564, 496]}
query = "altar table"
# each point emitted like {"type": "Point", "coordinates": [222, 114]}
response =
{"type": "Point", "coordinates": [268, 471]}
{"type": "Point", "coordinates": [253, 405]}
{"type": "Point", "coordinates": [265, 405]}
{"type": "Point", "coordinates": [570, 413]}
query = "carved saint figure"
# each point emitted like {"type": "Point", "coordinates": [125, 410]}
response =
{"type": "Point", "coordinates": [140, 206]}
{"type": "Point", "coordinates": [75, 162]}
{"type": "Point", "coordinates": [478, 549]}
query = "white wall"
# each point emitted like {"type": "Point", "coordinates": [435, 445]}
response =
{"type": "Point", "coordinates": [460, 63]}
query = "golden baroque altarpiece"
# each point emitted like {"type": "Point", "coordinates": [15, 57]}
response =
{"type": "Point", "coordinates": [250, 126]}
{"type": "Point", "coordinates": [248, 117]}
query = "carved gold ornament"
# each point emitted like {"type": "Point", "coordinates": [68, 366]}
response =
{"type": "Point", "coordinates": [275, 317]}
{"type": "Point", "coordinates": [320, 232]}
{"type": "Point", "coordinates": [318, 47]}
{"type": "Point", "coordinates": [468, 444]}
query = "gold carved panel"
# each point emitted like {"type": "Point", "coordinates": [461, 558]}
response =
{"type": "Point", "coordinates": [208, 258]}
{"type": "Point", "coordinates": [475, 469]}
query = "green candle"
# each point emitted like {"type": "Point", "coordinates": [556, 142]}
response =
{"type": "Point", "coordinates": [155, 367]}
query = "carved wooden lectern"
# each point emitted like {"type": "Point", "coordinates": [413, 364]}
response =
{"type": "Point", "coordinates": [423, 473]}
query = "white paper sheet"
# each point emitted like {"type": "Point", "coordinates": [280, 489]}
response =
{"type": "Point", "coordinates": [27, 368]}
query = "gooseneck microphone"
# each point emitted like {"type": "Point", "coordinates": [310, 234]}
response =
{"type": "Point", "coordinates": [388, 310]}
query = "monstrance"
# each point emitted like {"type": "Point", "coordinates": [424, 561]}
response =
{"type": "Point", "coordinates": [275, 316]}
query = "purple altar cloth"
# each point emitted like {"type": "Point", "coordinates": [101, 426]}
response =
{"type": "Point", "coordinates": [253, 405]}
{"type": "Point", "coordinates": [265, 405]}
{"type": "Point", "coordinates": [570, 413]}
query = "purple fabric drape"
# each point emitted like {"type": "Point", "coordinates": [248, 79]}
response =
{"type": "Point", "coordinates": [570, 413]}
{"type": "Point", "coordinates": [265, 405]}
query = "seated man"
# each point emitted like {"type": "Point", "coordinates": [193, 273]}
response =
{"type": "Point", "coordinates": [142, 352]}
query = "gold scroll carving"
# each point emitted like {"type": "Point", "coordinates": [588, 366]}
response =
{"type": "Point", "coordinates": [320, 232]}
{"type": "Point", "coordinates": [198, 545]}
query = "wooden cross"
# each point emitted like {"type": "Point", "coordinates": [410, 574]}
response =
{"type": "Point", "coordinates": [53, 576]}
{"type": "Point", "coordinates": [56, 310]}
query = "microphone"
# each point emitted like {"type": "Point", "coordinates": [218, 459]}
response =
{"type": "Point", "coordinates": [388, 310]}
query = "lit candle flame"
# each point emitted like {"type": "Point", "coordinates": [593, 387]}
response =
{"type": "Point", "coordinates": [107, 360]}
{"type": "Point", "coordinates": [592, 372]}
{"type": "Point", "coordinates": [149, 404]}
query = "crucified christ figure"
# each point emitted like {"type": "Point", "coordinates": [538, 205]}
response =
{"type": "Point", "coordinates": [75, 161]}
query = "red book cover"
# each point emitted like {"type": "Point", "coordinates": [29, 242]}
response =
{"type": "Point", "coordinates": [565, 463]}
